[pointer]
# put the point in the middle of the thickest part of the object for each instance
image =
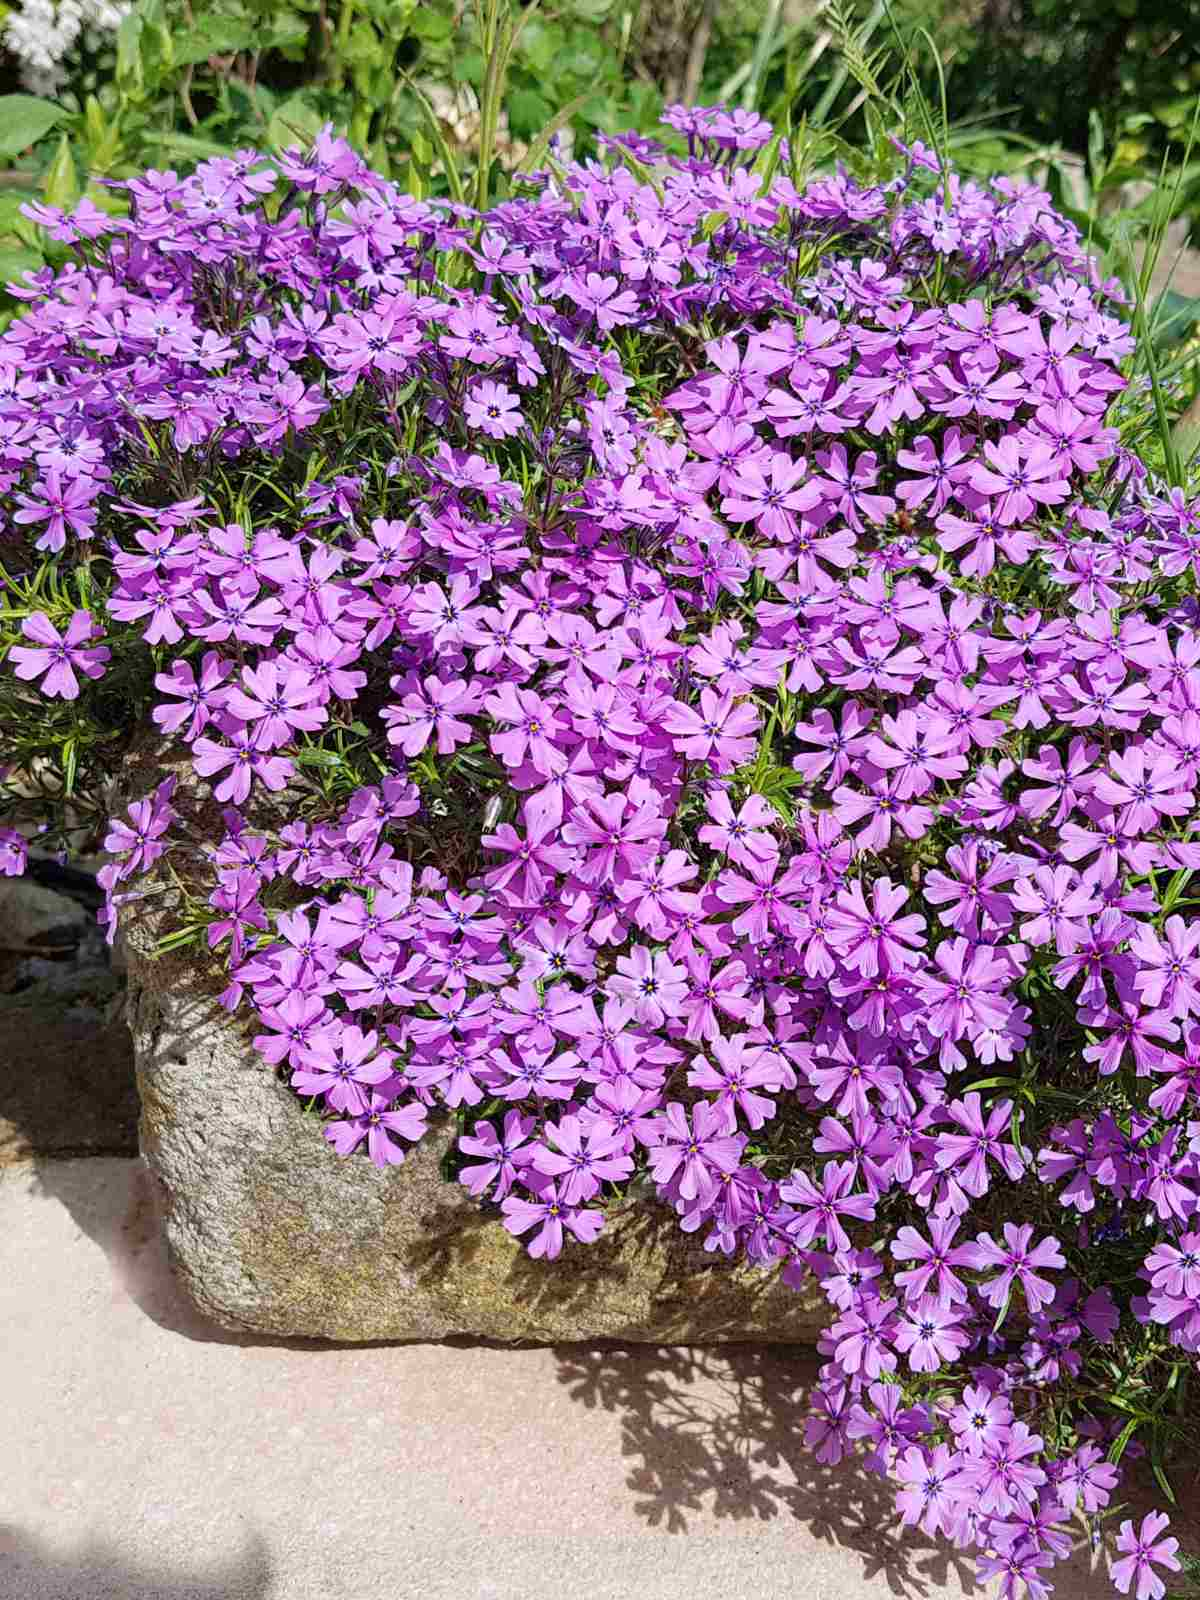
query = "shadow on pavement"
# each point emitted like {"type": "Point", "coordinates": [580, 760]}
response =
{"type": "Point", "coordinates": [719, 1432]}
{"type": "Point", "coordinates": [93, 1571]}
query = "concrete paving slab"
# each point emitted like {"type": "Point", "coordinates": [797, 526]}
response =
{"type": "Point", "coordinates": [146, 1455]}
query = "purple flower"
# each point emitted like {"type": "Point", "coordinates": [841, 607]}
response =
{"type": "Point", "coordinates": [966, 1154]}
{"type": "Point", "coordinates": [719, 731]}
{"type": "Point", "coordinates": [580, 771]}
{"type": "Point", "coordinates": [534, 726]}
{"type": "Point", "coordinates": [743, 835]}
{"type": "Point", "coordinates": [247, 759]}
{"type": "Point", "coordinates": [1169, 969]}
{"type": "Point", "coordinates": [864, 1336]}
{"type": "Point", "coordinates": [767, 893]}
{"type": "Point", "coordinates": [1175, 1268]}
{"type": "Point", "coordinates": [1023, 476]}
{"type": "Point", "coordinates": [382, 1128]}
{"type": "Point", "coordinates": [652, 986]}
{"type": "Point", "coordinates": [1087, 1480]}
{"type": "Point", "coordinates": [59, 655]}
{"type": "Point", "coordinates": [1001, 1475]}
{"type": "Point", "coordinates": [937, 1260]}
{"type": "Point", "coordinates": [140, 839]}
{"type": "Point", "coordinates": [1143, 1551]}
{"type": "Point", "coordinates": [873, 938]}
{"type": "Point", "coordinates": [820, 1210]}
{"type": "Point", "coordinates": [964, 998]}
{"type": "Point", "coordinates": [691, 1153]}
{"type": "Point", "coordinates": [493, 409]}
{"type": "Point", "coordinates": [1017, 1567]}
{"type": "Point", "coordinates": [715, 994]}
{"type": "Point", "coordinates": [14, 853]}
{"type": "Point", "coordinates": [769, 493]}
{"type": "Point", "coordinates": [741, 1068]}
{"type": "Point", "coordinates": [278, 699]}
{"type": "Point", "coordinates": [931, 1487]}
{"type": "Point", "coordinates": [929, 1334]}
{"type": "Point", "coordinates": [582, 1158]}
{"type": "Point", "coordinates": [549, 1213]}
{"type": "Point", "coordinates": [343, 1069]}
{"type": "Point", "coordinates": [200, 698]}
{"type": "Point", "coordinates": [1147, 784]}
{"type": "Point", "coordinates": [64, 503]}
{"type": "Point", "coordinates": [533, 858]}
{"type": "Point", "coordinates": [1017, 1262]}
{"type": "Point", "coordinates": [433, 707]}
{"type": "Point", "coordinates": [888, 1425]}
{"type": "Point", "coordinates": [980, 1419]}
{"type": "Point", "coordinates": [504, 1155]}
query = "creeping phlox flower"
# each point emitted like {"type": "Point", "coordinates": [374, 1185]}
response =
{"type": "Point", "coordinates": [57, 657]}
{"type": "Point", "coordinates": [770, 788]}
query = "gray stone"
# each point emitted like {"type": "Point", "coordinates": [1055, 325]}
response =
{"type": "Point", "coordinates": [269, 1230]}
{"type": "Point", "coordinates": [66, 1073]}
{"type": "Point", "coordinates": [31, 914]}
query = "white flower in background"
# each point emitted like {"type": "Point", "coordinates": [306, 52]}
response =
{"type": "Point", "coordinates": [41, 32]}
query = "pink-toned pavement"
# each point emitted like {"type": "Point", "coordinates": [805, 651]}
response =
{"type": "Point", "coordinates": [145, 1455]}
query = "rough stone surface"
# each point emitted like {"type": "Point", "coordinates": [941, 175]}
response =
{"type": "Point", "coordinates": [31, 914]}
{"type": "Point", "coordinates": [269, 1231]}
{"type": "Point", "coordinates": [66, 1072]}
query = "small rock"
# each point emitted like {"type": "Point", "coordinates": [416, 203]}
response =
{"type": "Point", "coordinates": [30, 914]}
{"type": "Point", "coordinates": [66, 1076]}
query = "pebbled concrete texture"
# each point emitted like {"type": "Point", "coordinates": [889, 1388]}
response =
{"type": "Point", "coordinates": [148, 1455]}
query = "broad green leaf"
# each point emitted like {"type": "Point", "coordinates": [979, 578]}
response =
{"type": "Point", "coordinates": [363, 48]}
{"type": "Point", "coordinates": [394, 17]}
{"type": "Point", "coordinates": [11, 201]}
{"type": "Point", "coordinates": [431, 24]}
{"type": "Point", "coordinates": [290, 32]}
{"type": "Point", "coordinates": [216, 36]}
{"type": "Point", "coordinates": [24, 120]}
{"type": "Point", "coordinates": [528, 112]}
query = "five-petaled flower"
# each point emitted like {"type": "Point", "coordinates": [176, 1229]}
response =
{"type": "Point", "coordinates": [56, 657]}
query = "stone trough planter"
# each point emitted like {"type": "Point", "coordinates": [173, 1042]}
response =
{"type": "Point", "coordinates": [269, 1231]}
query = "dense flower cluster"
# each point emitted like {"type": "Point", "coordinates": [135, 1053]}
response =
{"type": "Point", "coordinates": [749, 588]}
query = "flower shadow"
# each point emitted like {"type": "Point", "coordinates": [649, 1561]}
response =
{"type": "Point", "coordinates": [718, 1433]}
